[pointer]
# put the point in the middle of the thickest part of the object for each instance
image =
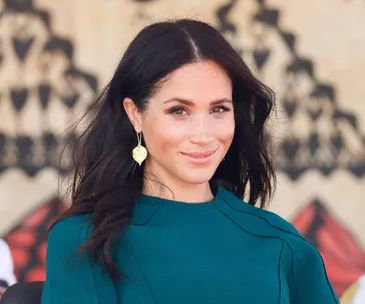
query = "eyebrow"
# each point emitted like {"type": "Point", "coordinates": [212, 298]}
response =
{"type": "Point", "coordinates": [190, 103]}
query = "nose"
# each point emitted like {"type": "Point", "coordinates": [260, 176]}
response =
{"type": "Point", "coordinates": [201, 132]}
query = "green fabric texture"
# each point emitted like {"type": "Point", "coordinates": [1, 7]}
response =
{"type": "Point", "coordinates": [224, 251]}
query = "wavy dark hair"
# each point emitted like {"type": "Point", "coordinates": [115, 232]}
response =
{"type": "Point", "coordinates": [107, 181]}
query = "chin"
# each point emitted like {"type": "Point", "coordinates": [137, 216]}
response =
{"type": "Point", "coordinates": [192, 177]}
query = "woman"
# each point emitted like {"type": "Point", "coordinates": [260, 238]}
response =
{"type": "Point", "coordinates": [157, 213]}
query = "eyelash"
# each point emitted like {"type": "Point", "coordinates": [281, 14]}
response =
{"type": "Point", "coordinates": [174, 110]}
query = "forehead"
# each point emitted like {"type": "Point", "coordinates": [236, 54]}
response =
{"type": "Point", "coordinates": [198, 80]}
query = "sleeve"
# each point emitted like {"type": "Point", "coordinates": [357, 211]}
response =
{"type": "Point", "coordinates": [310, 283]}
{"type": "Point", "coordinates": [74, 280]}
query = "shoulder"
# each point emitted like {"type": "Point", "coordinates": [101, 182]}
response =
{"type": "Point", "coordinates": [263, 217]}
{"type": "Point", "coordinates": [262, 223]}
{"type": "Point", "coordinates": [71, 231]}
{"type": "Point", "coordinates": [267, 223]}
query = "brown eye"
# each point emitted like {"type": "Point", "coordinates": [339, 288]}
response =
{"type": "Point", "coordinates": [220, 109]}
{"type": "Point", "coordinates": [177, 111]}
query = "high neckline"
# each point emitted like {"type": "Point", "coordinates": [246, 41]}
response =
{"type": "Point", "coordinates": [175, 204]}
{"type": "Point", "coordinates": [146, 206]}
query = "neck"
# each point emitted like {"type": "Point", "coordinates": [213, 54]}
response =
{"type": "Point", "coordinates": [178, 191]}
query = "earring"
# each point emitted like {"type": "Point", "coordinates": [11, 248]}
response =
{"type": "Point", "coordinates": [139, 153]}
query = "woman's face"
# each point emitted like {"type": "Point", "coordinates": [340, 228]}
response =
{"type": "Point", "coordinates": [188, 125]}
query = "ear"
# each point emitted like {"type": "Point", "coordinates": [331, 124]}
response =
{"type": "Point", "coordinates": [134, 115]}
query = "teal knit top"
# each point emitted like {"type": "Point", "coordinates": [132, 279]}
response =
{"type": "Point", "coordinates": [224, 251]}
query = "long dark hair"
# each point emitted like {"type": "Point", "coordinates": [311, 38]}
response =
{"type": "Point", "coordinates": [107, 180]}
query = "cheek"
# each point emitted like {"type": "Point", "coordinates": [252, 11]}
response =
{"type": "Point", "coordinates": [162, 137]}
{"type": "Point", "coordinates": [224, 131]}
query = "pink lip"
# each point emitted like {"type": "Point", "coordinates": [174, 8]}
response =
{"type": "Point", "coordinates": [199, 158]}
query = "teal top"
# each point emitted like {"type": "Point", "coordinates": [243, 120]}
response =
{"type": "Point", "coordinates": [217, 252]}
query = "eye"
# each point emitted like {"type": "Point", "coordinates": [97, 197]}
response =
{"type": "Point", "coordinates": [220, 109]}
{"type": "Point", "coordinates": [178, 111]}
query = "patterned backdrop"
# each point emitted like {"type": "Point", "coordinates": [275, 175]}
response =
{"type": "Point", "coordinates": [56, 55]}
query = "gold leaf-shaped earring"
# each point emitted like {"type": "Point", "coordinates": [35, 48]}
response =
{"type": "Point", "coordinates": [139, 153]}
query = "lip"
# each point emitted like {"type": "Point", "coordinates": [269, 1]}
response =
{"type": "Point", "coordinates": [199, 158]}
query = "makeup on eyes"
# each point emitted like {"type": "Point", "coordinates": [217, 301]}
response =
{"type": "Point", "coordinates": [179, 110]}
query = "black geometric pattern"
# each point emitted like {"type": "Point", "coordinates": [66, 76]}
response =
{"type": "Point", "coordinates": [329, 137]}
{"type": "Point", "coordinates": [40, 79]}
{"type": "Point", "coordinates": [332, 140]}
